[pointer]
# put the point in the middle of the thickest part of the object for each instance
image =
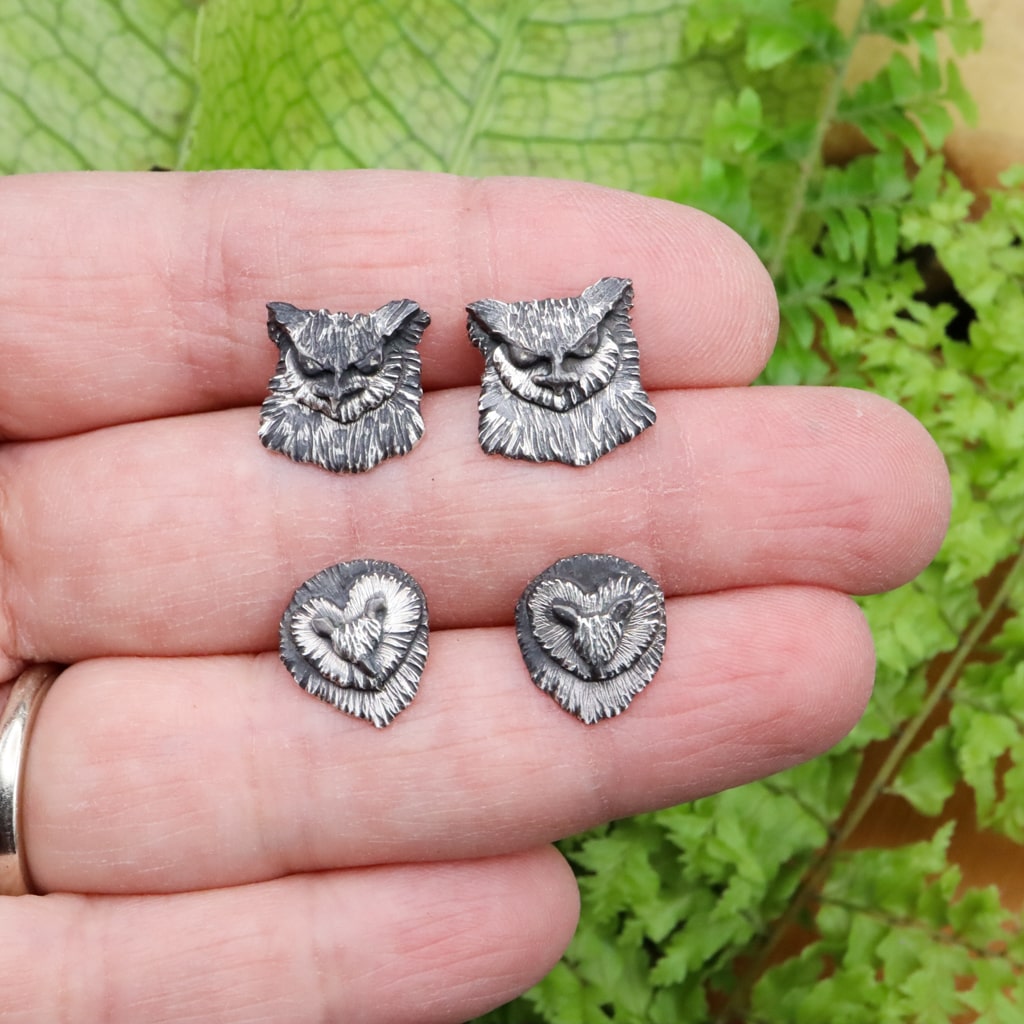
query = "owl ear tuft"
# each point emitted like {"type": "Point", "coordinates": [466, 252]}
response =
{"type": "Point", "coordinates": [491, 314]}
{"type": "Point", "coordinates": [282, 318]}
{"type": "Point", "coordinates": [397, 315]}
{"type": "Point", "coordinates": [610, 293]}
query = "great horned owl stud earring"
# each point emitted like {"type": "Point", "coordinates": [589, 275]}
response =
{"type": "Point", "coordinates": [355, 635]}
{"type": "Point", "coordinates": [561, 380]}
{"type": "Point", "coordinates": [346, 392]}
{"type": "Point", "coordinates": [592, 632]}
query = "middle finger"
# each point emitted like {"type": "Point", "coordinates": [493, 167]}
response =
{"type": "Point", "coordinates": [190, 538]}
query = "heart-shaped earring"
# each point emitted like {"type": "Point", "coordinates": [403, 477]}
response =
{"type": "Point", "coordinates": [592, 632]}
{"type": "Point", "coordinates": [355, 635]}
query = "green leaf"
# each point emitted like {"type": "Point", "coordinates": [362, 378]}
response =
{"type": "Point", "coordinates": [928, 777]}
{"type": "Point", "coordinates": [769, 44]}
{"type": "Point", "coordinates": [94, 83]}
{"type": "Point", "coordinates": [562, 89]}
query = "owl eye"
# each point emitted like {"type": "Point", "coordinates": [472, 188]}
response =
{"type": "Point", "coordinates": [310, 367]}
{"type": "Point", "coordinates": [585, 347]}
{"type": "Point", "coordinates": [565, 614]}
{"type": "Point", "coordinates": [371, 362]}
{"type": "Point", "coordinates": [322, 626]}
{"type": "Point", "coordinates": [519, 356]}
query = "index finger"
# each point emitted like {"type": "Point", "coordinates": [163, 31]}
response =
{"type": "Point", "coordinates": [136, 296]}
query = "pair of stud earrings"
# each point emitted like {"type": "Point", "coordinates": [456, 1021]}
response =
{"type": "Point", "coordinates": [591, 629]}
{"type": "Point", "coordinates": [561, 381]}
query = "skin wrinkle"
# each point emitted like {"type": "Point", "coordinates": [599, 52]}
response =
{"type": "Point", "coordinates": [651, 461]}
{"type": "Point", "coordinates": [666, 247]}
{"type": "Point", "coordinates": [202, 340]}
{"type": "Point", "coordinates": [442, 938]}
{"type": "Point", "coordinates": [476, 265]}
{"type": "Point", "coordinates": [98, 989]}
{"type": "Point", "coordinates": [259, 793]}
{"type": "Point", "coordinates": [10, 663]}
{"type": "Point", "coordinates": [320, 958]}
{"type": "Point", "coordinates": [62, 972]}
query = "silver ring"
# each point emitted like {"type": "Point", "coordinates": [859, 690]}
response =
{"type": "Point", "coordinates": [16, 722]}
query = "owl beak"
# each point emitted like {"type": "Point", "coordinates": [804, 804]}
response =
{"type": "Point", "coordinates": [369, 666]}
{"type": "Point", "coordinates": [556, 379]}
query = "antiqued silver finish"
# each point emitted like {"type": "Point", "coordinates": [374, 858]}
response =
{"type": "Point", "coordinates": [592, 632]}
{"type": "Point", "coordinates": [346, 392]}
{"type": "Point", "coordinates": [355, 635]}
{"type": "Point", "coordinates": [562, 376]}
{"type": "Point", "coordinates": [17, 717]}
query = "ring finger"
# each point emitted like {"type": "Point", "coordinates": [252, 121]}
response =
{"type": "Point", "coordinates": [152, 775]}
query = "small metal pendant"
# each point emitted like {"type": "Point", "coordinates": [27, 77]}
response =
{"type": "Point", "coordinates": [355, 635]}
{"type": "Point", "coordinates": [346, 392]}
{"type": "Point", "coordinates": [592, 632]}
{"type": "Point", "coordinates": [561, 378]}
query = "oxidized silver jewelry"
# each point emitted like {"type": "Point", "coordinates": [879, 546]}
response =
{"type": "Point", "coordinates": [346, 392]}
{"type": "Point", "coordinates": [592, 632]}
{"type": "Point", "coordinates": [562, 376]}
{"type": "Point", "coordinates": [16, 720]}
{"type": "Point", "coordinates": [355, 635]}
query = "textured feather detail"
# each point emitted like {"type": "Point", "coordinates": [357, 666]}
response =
{"type": "Point", "coordinates": [304, 435]}
{"type": "Point", "coordinates": [592, 632]}
{"type": "Point", "coordinates": [561, 381]}
{"type": "Point", "coordinates": [346, 392]}
{"type": "Point", "coordinates": [579, 436]}
{"type": "Point", "coordinates": [355, 636]}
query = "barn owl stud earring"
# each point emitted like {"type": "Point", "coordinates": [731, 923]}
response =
{"type": "Point", "coordinates": [346, 392]}
{"type": "Point", "coordinates": [355, 635]}
{"type": "Point", "coordinates": [592, 632]}
{"type": "Point", "coordinates": [561, 379]}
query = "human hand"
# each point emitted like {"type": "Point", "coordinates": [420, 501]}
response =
{"type": "Point", "coordinates": [216, 844]}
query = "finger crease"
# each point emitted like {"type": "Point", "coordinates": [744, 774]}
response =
{"type": "Point", "coordinates": [10, 643]}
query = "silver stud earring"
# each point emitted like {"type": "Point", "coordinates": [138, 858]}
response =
{"type": "Point", "coordinates": [355, 635]}
{"type": "Point", "coordinates": [346, 392]}
{"type": "Point", "coordinates": [561, 380]}
{"type": "Point", "coordinates": [592, 632]}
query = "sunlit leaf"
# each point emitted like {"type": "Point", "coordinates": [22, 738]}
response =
{"type": "Point", "coordinates": [94, 83]}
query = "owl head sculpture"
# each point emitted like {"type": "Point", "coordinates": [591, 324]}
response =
{"type": "Point", "coordinates": [355, 635]}
{"type": "Point", "coordinates": [346, 392]}
{"type": "Point", "coordinates": [592, 632]}
{"type": "Point", "coordinates": [562, 376]}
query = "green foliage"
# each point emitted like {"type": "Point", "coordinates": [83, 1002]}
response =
{"type": "Point", "coordinates": [896, 942]}
{"type": "Point", "coordinates": [441, 85]}
{"type": "Point", "coordinates": [752, 905]}
{"type": "Point", "coordinates": [94, 83]}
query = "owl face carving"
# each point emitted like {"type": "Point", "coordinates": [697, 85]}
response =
{"type": "Point", "coordinates": [592, 632]}
{"type": "Point", "coordinates": [346, 392]}
{"type": "Point", "coordinates": [596, 624]}
{"type": "Point", "coordinates": [355, 635]}
{"type": "Point", "coordinates": [562, 379]}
